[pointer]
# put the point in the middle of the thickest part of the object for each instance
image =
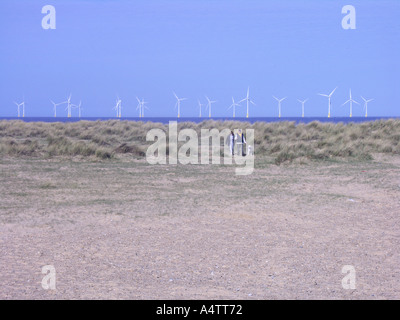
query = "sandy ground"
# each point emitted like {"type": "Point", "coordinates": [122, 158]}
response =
{"type": "Point", "coordinates": [129, 230]}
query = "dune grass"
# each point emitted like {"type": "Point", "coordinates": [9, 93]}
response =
{"type": "Point", "coordinates": [283, 141]}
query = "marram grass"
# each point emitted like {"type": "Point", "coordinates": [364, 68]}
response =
{"type": "Point", "coordinates": [284, 141]}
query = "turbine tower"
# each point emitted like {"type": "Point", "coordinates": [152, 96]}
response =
{"type": "Point", "coordinates": [329, 98]}
{"type": "Point", "coordinates": [200, 106]}
{"type": "Point", "coordinates": [23, 108]}
{"type": "Point", "coordinates": [118, 107]}
{"type": "Point", "coordinates": [69, 106]}
{"type": "Point", "coordinates": [79, 108]}
{"type": "Point", "coordinates": [139, 107]}
{"type": "Point", "coordinates": [209, 106]}
{"type": "Point", "coordinates": [366, 105]}
{"type": "Point", "coordinates": [233, 106]}
{"type": "Point", "coordinates": [279, 104]}
{"type": "Point", "coordinates": [144, 107]}
{"type": "Point", "coordinates": [178, 104]}
{"type": "Point", "coordinates": [247, 99]}
{"type": "Point", "coordinates": [55, 107]}
{"type": "Point", "coordinates": [351, 104]}
{"type": "Point", "coordinates": [302, 106]}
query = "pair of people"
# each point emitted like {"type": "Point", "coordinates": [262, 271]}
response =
{"type": "Point", "coordinates": [237, 139]}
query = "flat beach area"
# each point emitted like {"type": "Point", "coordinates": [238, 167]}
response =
{"type": "Point", "coordinates": [124, 229]}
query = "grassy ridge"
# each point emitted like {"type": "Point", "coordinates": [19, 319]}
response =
{"type": "Point", "coordinates": [285, 141]}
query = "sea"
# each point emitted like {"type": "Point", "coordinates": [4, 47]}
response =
{"type": "Point", "coordinates": [166, 120]}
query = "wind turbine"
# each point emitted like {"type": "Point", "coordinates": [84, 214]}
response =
{"type": "Point", "coordinates": [55, 106]}
{"type": "Point", "coordinates": [366, 105]}
{"type": "Point", "coordinates": [233, 105]}
{"type": "Point", "coordinates": [118, 107]}
{"type": "Point", "coordinates": [144, 107]}
{"type": "Point", "coordinates": [351, 104]}
{"type": "Point", "coordinates": [23, 108]}
{"type": "Point", "coordinates": [279, 104]}
{"type": "Point", "coordinates": [200, 105]}
{"type": "Point", "coordinates": [247, 99]}
{"type": "Point", "coordinates": [69, 105]}
{"type": "Point", "coordinates": [79, 107]}
{"type": "Point", "coordinates": [178, 104]}
{"type": "Point", "coordinates": [329, 98]}
{"type": "Point", "coordinates": [139, 107]}
{"type": "Point", "coordinates": [302, 106]}
{"type": "Point", "coordinates": [209, 106]}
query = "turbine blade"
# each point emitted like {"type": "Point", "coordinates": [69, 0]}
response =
{"type": "Point", "coordinates": [333, 91]}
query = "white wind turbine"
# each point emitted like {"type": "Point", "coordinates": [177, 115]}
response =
{"type": "Point", "coordinates": [69, 106]}
{"type": "Point", "coordinates": [351, 104]}
{"type": "Point", "coordinates": [178, 103]}
{"type": "Point", "coordinates": [366, 105]}
{"type": "Point", "coordinates": [302, 106]}
{"type": "Point", "coordinates": [55, 107]}
{"type": "Point", "coordinates": [141, 106]}
{"type": "Point", "coordinates": [118, 107]}
{"type": "Point", "coordinates": [144, 107]}
{"type": "Point", "coordinates": [209, 106]}
{"type": "Point", "coordinates": [279, 104]}
{"type": "Point", "coordinates": [79, 108]}
{"type": "Point", "coordinates": [200, 106]}
{"type": "Point", "coordinates": [23, 108]}
{"type": "Point", "coordinates": [329, 98]}
{"type": "Point", "coordinates": [233, 106]}
{"type": "Point", "coordinates": [247, 99]}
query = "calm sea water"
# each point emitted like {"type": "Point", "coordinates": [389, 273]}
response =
{"type": "Point", "coordinates": [166, 120]}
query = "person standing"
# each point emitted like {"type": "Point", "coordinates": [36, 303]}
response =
{"type": "Point", "coordinates": [240, 141]}
{"type": "Point", "coordinates": [231, 143]}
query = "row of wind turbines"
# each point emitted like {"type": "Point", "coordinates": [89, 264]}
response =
{"type": "Point", "coordinates": [249, 101]}
{"type": "Point", "coordinates": [142, 105]}
{"type": "Point", "coordinates": [351, 100]}
{"type": "Point", "coordinates": [68, 108]}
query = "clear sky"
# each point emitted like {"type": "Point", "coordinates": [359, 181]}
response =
{"type": "Point", "coordinates": [218, 48]}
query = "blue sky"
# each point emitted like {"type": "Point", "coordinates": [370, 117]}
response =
{"type": "Point", "coordinates": [199, 47]}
